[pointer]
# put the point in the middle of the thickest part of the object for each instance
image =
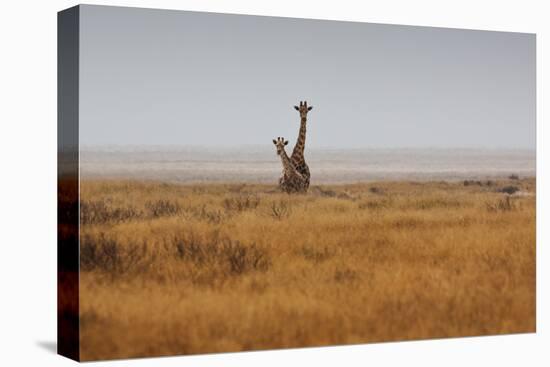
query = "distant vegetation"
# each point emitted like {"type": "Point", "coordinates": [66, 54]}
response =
{"type": "Point", "coordinates": [208, 268]}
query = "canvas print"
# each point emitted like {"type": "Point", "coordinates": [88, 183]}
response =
{"type": "Point", "coordinates": [234, 183]}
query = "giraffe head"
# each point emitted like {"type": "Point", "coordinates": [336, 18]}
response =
{"type": "Point", "coordinates": [280, 144]}
{"type": "Point", "coordinates": [303, 109]}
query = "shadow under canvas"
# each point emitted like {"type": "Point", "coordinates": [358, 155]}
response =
{"type": "Point", "coordinates": [48, 345]}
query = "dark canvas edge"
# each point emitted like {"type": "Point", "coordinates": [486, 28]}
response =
{"type": "Point", "coordinates": [68, 330]}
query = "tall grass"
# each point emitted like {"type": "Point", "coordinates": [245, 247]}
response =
{"type": "Point", "coordinates": [169, 269]}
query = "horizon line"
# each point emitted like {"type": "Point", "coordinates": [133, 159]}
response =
{"type": "Point", "coordinates": [320, 147]}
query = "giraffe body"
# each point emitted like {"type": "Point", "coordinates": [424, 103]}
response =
{"type": "Point", "coordinates": [291, 181]}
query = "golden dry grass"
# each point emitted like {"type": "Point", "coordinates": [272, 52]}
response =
{"type": "Point", "coordinates": [181, 269]}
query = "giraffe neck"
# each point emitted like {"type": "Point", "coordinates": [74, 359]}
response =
{"type": "Point", "coordinates": [287, 164]}
{"type": "Point", "coordinates": [298, 152]}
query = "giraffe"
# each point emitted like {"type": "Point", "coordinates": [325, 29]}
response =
{"type": "Point", "coordinates": [297, 156]}
{"type": "Point", "coordinates": [291, 181]}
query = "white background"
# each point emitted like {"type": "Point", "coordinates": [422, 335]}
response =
{"type": "Point", "coordinates": [28, 182]}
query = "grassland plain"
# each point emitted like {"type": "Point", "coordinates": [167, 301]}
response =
{"type": "Point", "coordinates": [183, 269]}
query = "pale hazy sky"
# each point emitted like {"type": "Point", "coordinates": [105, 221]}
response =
{"type": "Point", "coordinates": [158, 77]}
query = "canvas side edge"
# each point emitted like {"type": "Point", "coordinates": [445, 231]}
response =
{"type": "Point", "coordinates": [68, 329]}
